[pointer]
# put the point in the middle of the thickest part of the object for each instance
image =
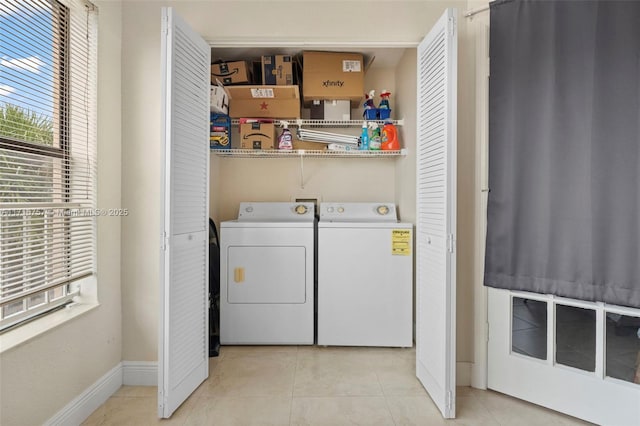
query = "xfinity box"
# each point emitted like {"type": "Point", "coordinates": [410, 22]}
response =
{"type": "Point", "coordinates": [332, 75]}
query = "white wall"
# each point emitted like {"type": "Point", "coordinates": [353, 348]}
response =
{"type": "Point", "coordinates": [478, 27]}
{"type": "Point", "coordinates": [346, 21]}
{"type": "Point", "coordinates": [406, 83]}
{"type": "Point", "coordinates": [465, 244]}
{"type": "Point", "coordinates": [44, 374]}
{"type": "Point", "coordinates": [141, 158]}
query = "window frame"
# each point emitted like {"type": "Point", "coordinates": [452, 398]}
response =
{"type": "Point", "coordinates": [63, 293]}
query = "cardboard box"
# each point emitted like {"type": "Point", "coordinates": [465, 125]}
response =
{"type": "Point", "coordinates": [238, 72]}
{"type": "Point", "coordinates": [219, 100]}
{"type": "Point", "coordinates": [277, 70]}
{"type": "Point", "coordinates": [309, 146]}
{"type": "Point", "coordinates": [330, 110]}
{"type": "Point", "coordinates": [264, 101]}
{"type": "Point", "coordinates": [257, 135]}
{"type": "Point", "coordinates": [332, 75]}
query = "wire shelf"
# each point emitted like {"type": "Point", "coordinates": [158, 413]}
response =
{"type": "Point", "coordinates": [304, 153]}
{"type": "Point", "coordinates": [326, 123]}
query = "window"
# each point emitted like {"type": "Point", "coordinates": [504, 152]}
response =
{"type": "Point", "coordinates": [47, 154]}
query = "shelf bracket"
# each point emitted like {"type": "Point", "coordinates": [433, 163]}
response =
{"type": "Point", "coordinates": [301, 154]}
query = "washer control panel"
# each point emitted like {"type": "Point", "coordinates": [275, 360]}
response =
{"type": "Point", "coordinates": [358, 212]}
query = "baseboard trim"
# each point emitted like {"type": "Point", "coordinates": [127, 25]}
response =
{"type": "Point", "coordinates": [88, 401]}
{"type": "Point", "coordinates": [145, 373]}
{"type": "Point", "coordinates": [140, 373]}
{"type": "Point", "coordinates": [132, 373]}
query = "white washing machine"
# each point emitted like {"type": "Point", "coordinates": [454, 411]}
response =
{"type": "Point", "coordinates": [365, 276]}
{"type": "Point", "coordinates": [267, 275]}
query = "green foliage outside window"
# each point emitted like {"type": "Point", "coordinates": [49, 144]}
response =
{"type": "Point", "coordinates": [21, 124]}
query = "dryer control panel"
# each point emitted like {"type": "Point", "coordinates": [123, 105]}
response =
{"type": "Point", "coordinates": [358, 212]}
{"type": "Point", "coordinates": [276, 212]}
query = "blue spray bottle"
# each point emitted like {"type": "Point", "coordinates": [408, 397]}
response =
{"type": "Point", "coordinates": [364, 137]}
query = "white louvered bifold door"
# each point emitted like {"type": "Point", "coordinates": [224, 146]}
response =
{"type": "Point", "coordinates": [436, 214]}
{"type": "Point", "coordinates": [183, 359]}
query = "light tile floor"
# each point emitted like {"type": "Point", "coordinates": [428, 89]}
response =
{"type": "Point", "coordinates": [310, 385]}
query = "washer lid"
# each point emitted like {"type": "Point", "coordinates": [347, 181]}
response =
{"type": "Point", "coordinates": [358, 212]}
{"type": "Point", "coordinates": [276, 212]}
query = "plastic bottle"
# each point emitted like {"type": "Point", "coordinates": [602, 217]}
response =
{"type": "Point", "coordinates": [368, 103]}
{"type": "Point", "coordinates": [364, 137]}
{"type": "Point", "coordinates": [375, 140]}
{"type": "Point", "coordinates": [285, 140]}
{"type": "Point", "coordinates": [384, 110]}
{"type": "Point", "coordinates": [384, 99]}
{"type": "Point", "coordinates": [390, 140]}
{"type": "Point", "coordinates": [370, 110]}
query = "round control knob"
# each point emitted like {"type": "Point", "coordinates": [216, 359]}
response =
{"type": "Point", "coordinates": [382, 210]}
{"type": "Point", "coordinates": [301, 209]}
{"type": "Point", "coordinates": [249, 209]}
{"type": "Point", "coordinates": [340, 209]}
{"type": "Point", "coordinates": [329, 209]}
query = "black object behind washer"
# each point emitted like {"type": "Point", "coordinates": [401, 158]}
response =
{"type": "Point", "coordinates": [214, 290]}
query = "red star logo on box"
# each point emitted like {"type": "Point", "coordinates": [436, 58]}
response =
{"type": "Point", "coordinates": [263, 105]}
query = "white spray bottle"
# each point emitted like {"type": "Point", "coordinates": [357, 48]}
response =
{"type": "Point", "coordinates": [285, 140]}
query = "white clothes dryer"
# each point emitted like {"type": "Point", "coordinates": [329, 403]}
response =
{"type": "Point", "coordinates": [365, 276]}
{"type": "Point", "coordinates": [267, 275]}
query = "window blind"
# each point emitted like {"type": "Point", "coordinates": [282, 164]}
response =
{"type": "Point", "coordinates": [48, 52]}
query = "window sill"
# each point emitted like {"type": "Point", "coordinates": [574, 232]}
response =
{"type": "Point", "coordinates": [20, 335]}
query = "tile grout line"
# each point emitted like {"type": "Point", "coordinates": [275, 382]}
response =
{"type": "Point", "coordinates": [386, 401]}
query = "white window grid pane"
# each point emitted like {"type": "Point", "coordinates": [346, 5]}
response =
{"type": "Point", "coordinates": [56, 110]}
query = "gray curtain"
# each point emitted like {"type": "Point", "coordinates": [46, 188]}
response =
{"type": "Point", "coordinates": [564, 149]}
